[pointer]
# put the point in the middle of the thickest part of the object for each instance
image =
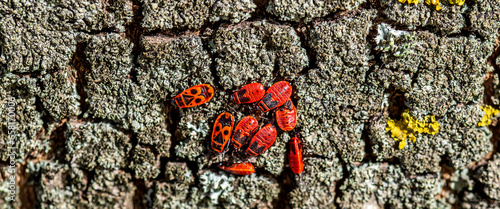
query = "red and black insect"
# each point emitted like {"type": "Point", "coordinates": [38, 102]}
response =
{"type": "Point", "coordinates": [295, 156]}
{"type": "Point", "coordinates": [194, 96]}
{"type": "Point", "coordinates": [275, 96]}
{"type": "Point", "coordinates": [221, 133]}
{"type": "Point", "coordinates": [244, 130]}
{"type": "Point", "coordinates": [249, 93]}
{"type": "Point", "coordinates": [286, 116]}
{"type": "Point", "coordinates": [262, 140]}
{"type": "Point", "coordinates": [239, 168]}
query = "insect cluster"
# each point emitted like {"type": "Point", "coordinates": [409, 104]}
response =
{"type": "Point", "coordinates": [244, 138]}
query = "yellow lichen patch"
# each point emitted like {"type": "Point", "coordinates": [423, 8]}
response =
{"type": "Point", "coordinates": [408, 127]}
{"type": "Point", "coordinates": [409, 1]}
{"type": "Point", "coordinates": [489, 113]}
{"type": "Point", "coordinates": [434, 2]}
{"type": "Point", "coordinates": [457, 2]}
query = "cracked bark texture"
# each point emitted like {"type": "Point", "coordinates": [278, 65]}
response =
{"type": "Point", "coordinates": [92, 83]}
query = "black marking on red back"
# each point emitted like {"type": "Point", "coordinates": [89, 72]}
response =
{"type": "Point", "coordinates": [187, 98]}
{"type": "Point", "coordinates": [292, 148]}
{"type": "Point", "coordinates": [268, 101]}
{"type": "Point", "coordinates": [226, 120]}
{"type": "Point", "coordinates": [179, 101]}
{"type": "Point", "coordinates": [237, 137]}
{"type": "Point", "coordinates": [219, 139]}
{"type": "Point", "coordinates": [216, 146]}
{"type": "Point", "coordinates": [288, 105]}
{"type": "Point", "coordinates": [241, 96]}
{"type": "Point", "coordinates": [281, 108]}
{"type": "Point", "coordinates": [256, 148]}
{"type": "Point", "coordinates": [204, 92]}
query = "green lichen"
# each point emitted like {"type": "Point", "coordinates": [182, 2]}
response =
{"type": "Point", "coordinates": [179, 172]}
{"type": "Point", "coordinates": [217, 190]}
{"type": "Point", "coordinates": [337, 98]}
{"type": "Point", "coordinates": [26, 121]}
{"type": "Point", "coordinates": [252, 51]}
{"type": "Point", "coordinates": [92, 145]}
{"type": "Point", "coordinates": [42, 35]}
{"type": "Point", "coordinates": [58, 185]}
{"type": "Point", "coordinates": [158, 136]}
{"type": "Point", "coordinates": [399, 43]}
{"type": "Point", "coordinates": [9, 191]}
{"type": "Point", "coordinates": [168, 14]}
{"type": "Point", "coordinates": [489, 177]}
{"type": "Point", "coordinates": [427, 76]}
{"type": "Point", "coordinates": [113, 95]}
{"type": "Point", "coordinates": [449, 19]}
{"type": "Point", "coordinates": [334, 41]}
{"type": "Point", "coordinates": [234, 11]}
{"type": "Point", "coordinates": [484, 15]}
{"type": "Point", "coordinates": [144, 163]}
{"type": "Point", "coordinates": [110, 188]}
{"type": "Point", "coordinates": [241, 192]}
{"type": "Point", "coordinates": [176, 192]}
{"type": "Point", "coordinates": [59, 96]}
{"type": "Point", "coordinates": [172, 195]}
{"type": "Point", "coordinates": [315, 184]}
{"type": "Point", "coordinates": [379, 184]}
{"type": "Point", "coordinates": [304, 11]}
{"type": "Point", "coordinates": [472, 200]}
{"type": "Point", "coordinates": [170, 65]}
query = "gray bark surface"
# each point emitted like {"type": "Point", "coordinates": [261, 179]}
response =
{"type": "Point", "coordinates": [92, 125]}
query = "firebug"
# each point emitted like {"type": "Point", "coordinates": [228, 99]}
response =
{"type": "Point", "coordinates": [286, 116]}
{"type": "Point", "coordinates": [244, 130]}
{"type": "Point", "coordinates": [275, 96]}
{"type": "Point", "coordinates": [262, 140]}
{"type": "Point", "coordinates": [221, 133]}
{"type": "Point", "coordinates": [249, 93]}
{"type": "Point", "coordinates": [239, 168]}
{"type": "Point", "coordinates": [194, 96]}
{"type": "Point", "coordinates": [295, 156]}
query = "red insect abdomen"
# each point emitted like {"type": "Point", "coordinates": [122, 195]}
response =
{"type": "Point", "coordinates": [275, 96]}
{"type": "Point", "coordinates": [286, 116]}
{"type": "Point", "coordinates": [262, 140]}
{"type": "Point", "coordinates": [295, 156]}
{"type": "Point", "coordinates": [249, 93]}
{"type": "Point", "coordinates": [244, 130]}
{"type": "Point", "coordinates": [239, 168]}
